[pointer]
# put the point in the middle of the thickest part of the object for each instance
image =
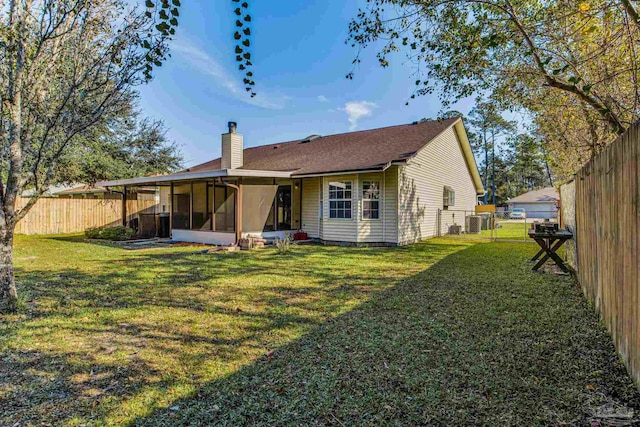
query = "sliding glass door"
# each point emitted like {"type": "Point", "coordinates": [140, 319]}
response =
{"type": "Point", "coordinates": [280, 217]}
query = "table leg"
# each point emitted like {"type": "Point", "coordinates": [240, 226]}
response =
{"type": "Point", "coordinates": [541, 251]}
{"type": "Point", "coordinates": [551, 253]}
{"type": "Point", "coordinates": [545, 249]}
{"type": "Point", "coordinates": [559, 262]}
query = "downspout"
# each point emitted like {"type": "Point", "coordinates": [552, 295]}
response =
{"type": "Point", "coordinates": [300, 206]}
{"type": "Point", "coordinates": [383, 200]}
{"type": "Point", "coordinates": [321, 211]}
{"type": "Point", "coordinates": [124, 203]}
{"type": "Point", "coordinates": [357, 191]}
{"type": "Point", "coordinates": [124, 206]}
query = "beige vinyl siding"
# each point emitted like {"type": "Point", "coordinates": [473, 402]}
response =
{"type": "Point", "coordinates": [370, 230]}
{"type": "Point", "coordinates": [232, 151]}
{"type": "Point", "coordinates": [340, 230]}
{"type": "Point", "coordinates": [321, 208]}
{"type": "Point", "coordinates": [311, 206]}
{"type": "Point", "coordinates": [391, 204]}
{"type": "Point", "coordinates": [356, 229]}
{"type": "Point", "coordinates": [421, 185]}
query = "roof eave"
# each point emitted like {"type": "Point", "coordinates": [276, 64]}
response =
{"type": "Point", "coordinates": [350, 171]}
{"type": "Point", "coordinates": [192, 176]}
{"type": "Point", "coordinates": [532, 202]}
{"type": "Point", "coordinates": [467, 152]}
{"type": "Point", "coordinates": [469, 157]}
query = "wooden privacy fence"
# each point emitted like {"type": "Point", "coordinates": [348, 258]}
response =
{"type": "Point", "coordinates": [568, 220]}
{"type": "Point", "coordinates": [607, 194]}
{"type": "Point", "coordinates": [59, 215]}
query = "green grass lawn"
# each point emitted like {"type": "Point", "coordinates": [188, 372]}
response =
{"type": "Point", "coordinates": [445, 332]}
{"type": "Point", "coordinates": [508, 230]}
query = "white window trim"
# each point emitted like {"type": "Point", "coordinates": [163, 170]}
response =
{"type": "Point", "coordinates": [379, 200]}
{"type": "Point", "coordinates": [449, 190]}
{"type": "Point", "coordinates": [329, 200]}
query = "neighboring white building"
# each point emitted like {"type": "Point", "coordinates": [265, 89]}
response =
{"type": "Point", "coordinates": [540, 204]}
{"type": "Point", "coordinates": [380, 186]}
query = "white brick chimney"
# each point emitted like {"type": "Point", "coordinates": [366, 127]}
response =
{"type": "Point", "coordinates": [232, 147]}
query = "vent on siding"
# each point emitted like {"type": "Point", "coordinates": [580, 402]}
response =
{"type": "Point", "coordinates": [310, 138]}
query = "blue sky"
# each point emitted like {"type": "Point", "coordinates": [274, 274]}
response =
{"type": "Point", "coordinates": [300, 62]}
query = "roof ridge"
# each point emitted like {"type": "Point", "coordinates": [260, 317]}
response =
{"type": "Point", "coordinates": [386, 127]}
{"type": "Point", "coordinates": [453, 119]}
{"type": "Point", "coordinates": [448, 121]}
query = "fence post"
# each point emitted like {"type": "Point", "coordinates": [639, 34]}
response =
{"type": "Point", "coordinates": [124, 207]}
{"type": "Point", "coordinates": [492, 226]}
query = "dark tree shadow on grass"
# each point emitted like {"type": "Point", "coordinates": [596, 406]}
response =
{"type": "Point", "coordinates": [110, 312]}
{"type": "Point", "coordinates": [477, 339]}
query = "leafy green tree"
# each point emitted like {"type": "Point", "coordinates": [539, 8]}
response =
{"type": "Point", "coordinates": [67, 67]}
{"type": "Point", "coordinates": [527, 166]}
{"type": "Point", "coordinates": [488, 126]}
{"type": "Point", "coordinates": [450, 114]}
{"type": "Point", "coordinates": [519, 166]}
{"type": "Point", "coordinates": [543, 57]}
{"type": "Point", "coordinates": [242, 36]}
{"type": "Point", "coordinates": [127, 147]}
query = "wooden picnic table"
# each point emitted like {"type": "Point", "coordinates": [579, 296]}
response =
{"type": "Point", "coordinates": [549, 243]}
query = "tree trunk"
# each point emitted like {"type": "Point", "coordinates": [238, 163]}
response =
{"type": "Point", "coordinates": [549, 176]}
{"type": "Point", "coordinates": [486, 166]}
{"type": "Point", "coordinates": [8, 291]}
{"type": "Point", "coordinates": [493, 168]}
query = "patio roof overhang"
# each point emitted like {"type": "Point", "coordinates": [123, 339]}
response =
{"type": "Point", "coordinates": [194, 176]}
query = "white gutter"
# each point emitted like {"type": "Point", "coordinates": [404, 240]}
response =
{"type": "Point", "coordinates": [350, 172]}
{"type": "Point", "coordinates": [191, 176]}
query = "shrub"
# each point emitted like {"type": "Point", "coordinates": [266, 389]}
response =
{"type": "Point", "coordinates": [93, 232]}
{"type": "Point", "coordinates": [283, 245]}
{"type": "Point", "coordinates": [116, 233]}
{"type": "Point", "coordinates": [110, 233]}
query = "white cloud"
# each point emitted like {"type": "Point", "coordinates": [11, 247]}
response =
{"type": "Point", "coordinates": [356, 110]}
{"type": "Point", "coordinates": [323, 98]}
{"type": "Point", "coordinates": [206, 64]}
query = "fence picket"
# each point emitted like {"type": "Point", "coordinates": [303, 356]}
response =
{"type": "Point", "coordinates": [60, 215]}
{"type": "Point", "coordinates": [607, 222]}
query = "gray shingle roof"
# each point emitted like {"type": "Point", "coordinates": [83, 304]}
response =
{"type": "Point", "coordinates": [362, 150]}
{"type": "Point", "coordinates": [547, 194]}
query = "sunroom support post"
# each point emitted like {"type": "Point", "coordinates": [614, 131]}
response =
{"type": "Point", "coordinates": [238, 210]}
{"type": "Point", "coordinates": [124, 206]}
{"type": "Point", "coordinates": [171, 210]}
{"type": "Point", "coordinates": [239, 213]}
{"type": "Point", "coordinates": [191, 206]}
{"type": "Point", "coordinates": [213, 207]}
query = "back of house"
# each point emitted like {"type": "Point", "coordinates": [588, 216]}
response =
{"type": "Point", "coordinates": [538, 204]}
{"type": "Point", "coordinates": [380, 186]}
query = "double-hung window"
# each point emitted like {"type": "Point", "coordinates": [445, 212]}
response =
{"type": "Point", "coordinates": [448, 197]}
{"type": "Point", "coordinates": [340, 200]}
{"type": "Point", "coordinates": [370, 199]}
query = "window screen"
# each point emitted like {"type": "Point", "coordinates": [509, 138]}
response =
{"type": "Point", "coordinates": [340, 200]}
{"type": "Point", "coordinates": [370, 199]}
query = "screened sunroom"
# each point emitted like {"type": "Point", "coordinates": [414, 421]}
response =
{"type": "Point", "coordinates": [221, 206]}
